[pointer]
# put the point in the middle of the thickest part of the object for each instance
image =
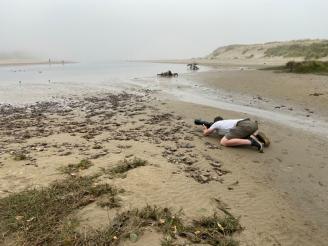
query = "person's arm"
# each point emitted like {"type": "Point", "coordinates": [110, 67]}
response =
{"type": "Point", "coordinates": [207, 131]}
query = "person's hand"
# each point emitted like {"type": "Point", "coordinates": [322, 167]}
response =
{"type": "Point", "coordinates": [204, 130]}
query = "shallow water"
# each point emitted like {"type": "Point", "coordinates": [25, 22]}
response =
{"type": "Point", "coordinates": [45, 82]}
{"type": "Point", "coordinates": [27, 84]}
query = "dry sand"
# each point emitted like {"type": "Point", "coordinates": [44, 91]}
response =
{"type": "Point", "coordinates": [281, 195]}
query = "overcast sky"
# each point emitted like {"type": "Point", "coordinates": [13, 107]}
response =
{"type": "Point", "coordinates": [152, 29]}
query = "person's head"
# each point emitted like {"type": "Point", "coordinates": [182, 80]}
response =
{"type": "Point", "coordinates": [218, 118]}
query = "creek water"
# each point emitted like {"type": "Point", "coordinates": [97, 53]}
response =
{"type": "Point", "coordinates": [29, 84]}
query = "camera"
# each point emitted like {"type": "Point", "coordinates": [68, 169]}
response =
{"type": "Point", "coordinates": [203, 122]}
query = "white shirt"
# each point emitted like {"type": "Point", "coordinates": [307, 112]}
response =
{"type": "Point", "coordinates": [223, 127]}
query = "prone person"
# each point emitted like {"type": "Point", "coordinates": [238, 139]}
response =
{"type": "Point", "coordinates": [236, 132]}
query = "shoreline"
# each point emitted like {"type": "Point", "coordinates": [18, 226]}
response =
{"type": "Point", "coordinates": [256, 63]}
{"type": "Point", "coordinates": [31, 63]}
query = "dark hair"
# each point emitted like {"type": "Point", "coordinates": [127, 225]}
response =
{"type": "Point", "coordinates": [218, 118]}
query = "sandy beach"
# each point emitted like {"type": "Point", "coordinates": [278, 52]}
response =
{"type": "Point", "coordinates": [280, 196]}
{"type": "Point", "coordinates": [103, 108]}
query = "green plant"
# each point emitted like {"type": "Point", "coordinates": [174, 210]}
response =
{"type": "Point", "coordinates": [73, 168]}
{"type": "Point", "coordinates": [45, 216]}
{"type": "Point", "coordinates": [123, 167]}
{"type": "Point", "coordinates": [314, 50]}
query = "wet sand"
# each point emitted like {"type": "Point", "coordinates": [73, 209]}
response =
{"type": "Point", "coordinates": [280, 195]}
{"type": "Point", "coordinates": [282, 91]}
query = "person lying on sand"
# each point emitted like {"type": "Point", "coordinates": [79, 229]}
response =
{"type": "Point", "coordinates": [235, 132]}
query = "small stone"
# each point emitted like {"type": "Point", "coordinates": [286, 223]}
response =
{"type": "Point", "coordinates": [215, 164]}
{"type": "Point", "coordinates": [19, 217]}
{"type": "Point", "coordinates": [203, 178]}
{"type": "Point", "coordinates": [133, 237]}
{"type": "Point", "coordinates": [66, 153]}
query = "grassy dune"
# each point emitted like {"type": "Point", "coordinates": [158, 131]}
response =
{"type": "Point", "coordinates": [300, 49]}
{"type": "Point", "coordinates": [308, 51]}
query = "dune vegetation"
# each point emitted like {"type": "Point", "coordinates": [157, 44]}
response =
{"type": "Point", "coordinates": [314, 50]}
{"type": "Point", "coordinates": [311, 67]}
{"type": "Point", "coordinates": [320, 67]}
{"type": "Point", "coordinates": [301, 49]}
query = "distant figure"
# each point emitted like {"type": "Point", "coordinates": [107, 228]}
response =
{"type": "Point", "coordinates": [49, 61]}
{"type": "Point", "coordinates": [49, 80]}
{"type": "Point", "coordinates": [20, 82]}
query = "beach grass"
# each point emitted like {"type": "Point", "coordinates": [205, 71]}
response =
{"type": "Point", "coordinates": [46, 216]}
{"type": "Point", "coordinates": [123, 167]}
{"type": "Point", "coordinates": [307, 67]}
{"type": "Point", "coordinates": [304, 67]}
{"type": "Point", "coordinates": [308, 51]}
{"type": "Point", "coordinates": [208, 230]}
{"type": "Point", "coordinates": [74, 168]}
{"type": "Point", "coordinates": [213, 230]}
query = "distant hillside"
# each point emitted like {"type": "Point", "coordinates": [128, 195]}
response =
{"type": "Point", "coordinates": [15, 56]}
{"type": "Point", "coordinates": [290, 50]}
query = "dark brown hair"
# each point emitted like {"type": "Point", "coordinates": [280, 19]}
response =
{"type": "Point", "coordinates": [218, 118]}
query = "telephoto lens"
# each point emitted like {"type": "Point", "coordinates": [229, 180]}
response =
{"type": "Point", "coordinates": [203, 122]}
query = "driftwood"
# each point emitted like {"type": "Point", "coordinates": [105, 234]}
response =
{"type": "Point", "coordinates": [193, 66]}
{"type": "Point", "coordinates": [168, 74]}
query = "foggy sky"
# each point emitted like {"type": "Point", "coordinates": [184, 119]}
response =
{"type": "Point", "coordinates": [152, 29]}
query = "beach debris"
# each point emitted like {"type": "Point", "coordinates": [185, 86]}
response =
{"type": "Point", "coordinates": [98, 155]}
{"type": "Point", "coordinates": [211, 146]}
{"type": "Point", "coordinates": [316, 94]}
{"type": "Point", "coordinates": [168, 74]}
{"type": "Point", "coordinates": [65, 153]}
{"type": "Point", "coordinates": [19, 217]}
{"type": "Point", "coordinates": [98, 115]}
{"type": "Point", "coordinates": [186, 145]}
{"type": "Point", "coordinates": [215, 164]}
{"type": "Point", "coordinates": [308, 110]}
{"type": "Point", "coordinates": [133, 237]}
{"type": "Point", "coordinates": [19, 155]}
{"type": "Point", "coordinates": [231, 186]}
{"type": "Point", "coordinates": [193, 66]}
